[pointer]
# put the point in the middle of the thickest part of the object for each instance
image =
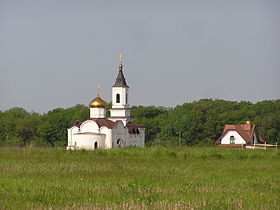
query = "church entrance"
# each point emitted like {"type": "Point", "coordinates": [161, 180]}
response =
{"type": "Point", "coordinates": [95, 145]}
{"type": "Point", "coordinates": [119, 143]}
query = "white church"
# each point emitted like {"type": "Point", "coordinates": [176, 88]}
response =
{"type": "Point", "coordinates": [99, 132]}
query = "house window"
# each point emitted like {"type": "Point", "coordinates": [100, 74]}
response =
{"type": "Point", "coordinates": [232, 140]}
{"type": "Point", "coordinates": [118, 98]}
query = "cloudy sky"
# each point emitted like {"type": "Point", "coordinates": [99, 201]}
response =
{"type": "Point", "coordinates": [53, 53]}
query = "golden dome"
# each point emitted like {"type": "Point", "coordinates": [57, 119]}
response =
{"type": "Point", "coordinates": [98, 102]}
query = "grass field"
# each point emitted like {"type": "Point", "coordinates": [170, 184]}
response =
{"type": "Point", "coordinates": [134, 178]}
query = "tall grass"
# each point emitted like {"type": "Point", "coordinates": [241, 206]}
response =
{"type": "Point", "coordinates": [135, 178]}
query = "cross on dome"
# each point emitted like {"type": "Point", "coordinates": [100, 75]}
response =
{"type": "Point", "coordinates": [98, 89]}
{"type": "Point", "coordinates": [98, 102]}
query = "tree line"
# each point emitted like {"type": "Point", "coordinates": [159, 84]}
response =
{"type": "Point", "coordinates": [196, 123]}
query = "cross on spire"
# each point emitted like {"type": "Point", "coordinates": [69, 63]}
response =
{"type": "Point", "coordinates": [120, 81]}
{"type": "Point", "coordinates": [121, 58]}
{"type": "Point", "coordinates": [121, 64]}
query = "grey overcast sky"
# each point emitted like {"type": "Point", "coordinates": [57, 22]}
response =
{"type": "Point", "coordinates": [53, 53]}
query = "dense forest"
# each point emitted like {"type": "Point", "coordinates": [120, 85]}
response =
{"type": "Point", "coordinates": [197, 123]}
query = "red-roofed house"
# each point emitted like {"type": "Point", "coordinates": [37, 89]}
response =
{"type": "Point", "coordinates": [244, 134]}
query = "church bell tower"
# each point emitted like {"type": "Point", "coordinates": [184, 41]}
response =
{"type": "Point", "coordinates": [120, 107]}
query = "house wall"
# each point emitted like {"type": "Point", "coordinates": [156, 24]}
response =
{"type": "Point", "coordinates": [255, 140]}
{"type": "Point", "coordinates": [238, 138]}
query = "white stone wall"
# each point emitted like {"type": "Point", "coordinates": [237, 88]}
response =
{"type": "Point", "coordinates": [141, 140]}
{"type": "Point", "coordinates": [125, 120]}
{"type": "Point", "coordinates": [119, 132]}
{"type": "Point", "coordinates": [71, 132]}
{"type": "Point", "coordinates": [120, 112]}
{"type": "Point", "coordinates": [108, 139]}
{"type": "Point", "coordinates": [123, 91]}
{"type": "Point", "coordinates": [87, 141]}
{"type": "Point", "coordinates": [89, 126]}
{"type": "Point", "coordinates": [97, 112]}
{"type": "Point", "coordinates": [83, 137]}
{"type": "Point", "coordinates": [89, 133]}
{"type": "Point", "coordinates": [127, 139]}
{"type": "Point", "coordinates": [237, 137]}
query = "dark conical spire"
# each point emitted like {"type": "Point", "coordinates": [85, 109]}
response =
{"type": "Point", "coordinates": [120, 81]}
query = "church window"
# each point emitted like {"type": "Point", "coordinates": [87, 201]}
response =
{"type": "Point", "coordinates": [232, 140]}
{"type": "Point", "coordinates": [126, 98]}
{"type": "Point", "coordinates": [95, 145]}
{"type": "Point", "coordinates": [119, 143]}
{"type": "Point", "coordinates": [118, 98]}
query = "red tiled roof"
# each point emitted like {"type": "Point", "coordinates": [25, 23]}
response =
{"type": "Point", "coordinates": [246, 131]}
{"type": "Point", "coordinates": [133, 127]}
{"type": "Point", "coordinates": [76, 123]}
{"type": "Point", "coordinates": [99, 121]}
{"type": "Point", "coordinates": [104, 122]}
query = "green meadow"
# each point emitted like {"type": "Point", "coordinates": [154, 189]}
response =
{"type": "Point", "coordinates": [135, 178]}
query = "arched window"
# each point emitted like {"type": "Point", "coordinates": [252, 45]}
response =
{"type": "Point", "coordinates": [118, 98]}
{"type": "Point", "coordinates": [232, 140]}
{"type": "Point", "coordinates": [119, 143]}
